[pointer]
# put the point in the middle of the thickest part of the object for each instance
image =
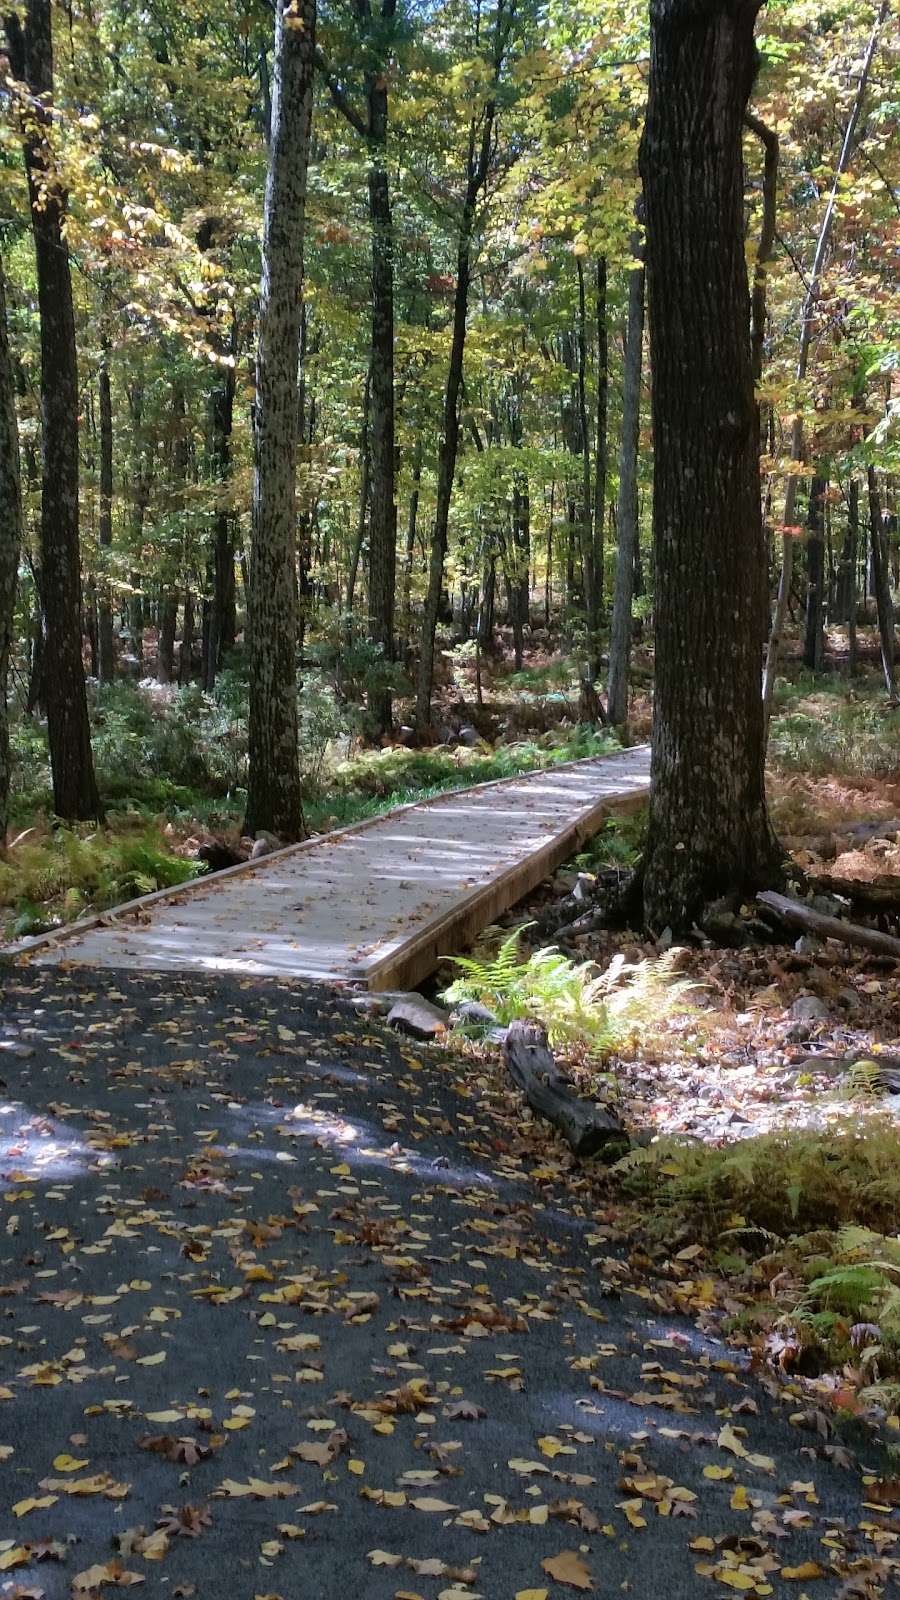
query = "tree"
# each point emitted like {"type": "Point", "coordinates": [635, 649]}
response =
{"type": "Point", "coordinates": [627, 509]}
{"type": "Point", "coordinates": [10, 540]}
{"type": "Point", "coordinates": [709, 830]}
{"type": "Point", "coordinates": [74, 788]}
{"type": "Point", "coordinates": [479, 155]}
{"type": "Point", "coordinates": [376, 33]}
{"type": "Point", "coordinates": [273, 795]}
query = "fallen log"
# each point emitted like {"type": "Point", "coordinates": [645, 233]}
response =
{"type": "Point", "coordinates": [873, 894]}
{"type": "Point", "coordinates": [796, 914]}
{"type": "Point", "coordinates": [586, 1126]}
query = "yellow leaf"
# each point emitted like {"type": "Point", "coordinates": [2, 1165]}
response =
{"type": "Point", "coordinates": [807, 1569]}
{"type": "Point", "coordinates": [22, 1507]}
{"type": "Point", "coordinates": [569, 1568]}
{"type": "Point", "coordinates": [151, 1361]}
{"type": "Point", "coordinates": [718, 1473]}
{"type": "Point", "coordinates": [67, 1463]}
{"type": "Point", "coordinates": [356, 1467]}
{"type": "Point", "coordinates": [18, 1556]}
{"type": "Point", "coordinates": [739, 1498]}
{"type": "Point", "coordinates": [532, 1594]}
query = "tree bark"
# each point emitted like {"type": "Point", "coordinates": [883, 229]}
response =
{"type": "Point", "coordinates": [882, 586]}
{"type": "Point", "coordinates": [709, 829]}
{"type": "Point", "coordinates": [627, 505]}
{"type": "Point", "coordinates": [383, 503]}
{"type": "Point", "coordinates": [10, 542]}
{"type": "Point", "coordinates": [274, 799]}
{"type": "Point", "coordinates": [106, 649]}
{"type": "Point", "coordinates": [223, 621]}
{"type": "Point", "coordinates": [814, 643]}
{"type": "Point", "coordinates": [74, 786]}
{"type": "Point", "coordinates": [849, 562]}
{"type": "Point", "coordinates": [588, 546]}
{"type": "Point", "coordinates": [601, 443]}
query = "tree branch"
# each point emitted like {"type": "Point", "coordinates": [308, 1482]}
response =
{"type": "Point", "coordinates": [339, 97]}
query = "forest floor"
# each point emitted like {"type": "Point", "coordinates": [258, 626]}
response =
{"type": "Point", "coordinates": [288, 1299]}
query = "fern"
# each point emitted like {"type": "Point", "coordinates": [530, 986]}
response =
{"type": "Point", "coordinates": [577, 1007]}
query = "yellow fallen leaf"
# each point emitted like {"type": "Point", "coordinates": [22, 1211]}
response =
{"type": "Point", "coordinates": [151, 1361]}
{"type": "Point", "coordinates": [551, 1447]}
{"type": "Point", "coordinates": [569, 1568]}
{"type": "Point", "coordinates": [66, 1463]}
{"type": "Point", "coordinates": [807, 1569]}
{"type": "Point", "coordinates": [532, 1594]}
{"type": "Point", "coordinates": [18, 1556]}
{"type": "Point", "coordinates": [718, 1473]}
{"type": "Point", "coordinates": [39, 1503]}
{"type": "Point", "coordinates": [356, 1467]}
{"type": "Point", "coordinates": [428, 1503]}
{"type": "Point", "coordinates": [740, 1500]}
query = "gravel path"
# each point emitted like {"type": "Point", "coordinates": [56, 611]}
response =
{"type": "Point", "coordinates": [285, 1314]}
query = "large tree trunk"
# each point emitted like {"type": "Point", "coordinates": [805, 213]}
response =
{"type": "Point", "coordinates": [106, 649]}
{"type": "Point", "coordinates": [709, 829]}
{"type": "Point", "coordinates": [814, 641]}
{"type": "Point", "coordinates": [627, 505]}
{"type": "Point", "coordinates": [588, 544]}
{"type": "Point", "coordinates": [273, 794]}
{"type": "Point", "coordinates": [74, 787]}
{"type": "Point", "coordinates": [849, 563]}
{"type": "Point", "coordinates": [10, 542]}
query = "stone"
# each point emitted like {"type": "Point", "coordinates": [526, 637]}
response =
{"type": "Point", "coordinates": [420, 1018]}
{"type": "Point", "coordinates": [808, 1008]}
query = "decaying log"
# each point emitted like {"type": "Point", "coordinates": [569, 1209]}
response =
{"type": "Point", "coordinates": [586, 1126]}
{"type": "Point", "coordinates": [874, 894]}
{"type": "Point", "coordinates": [799, 915]}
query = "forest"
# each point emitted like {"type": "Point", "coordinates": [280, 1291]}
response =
{"type": "Point", "coordinates": [456, 442]}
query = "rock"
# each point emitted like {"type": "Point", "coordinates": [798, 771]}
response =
{"type": "Point", "coordinates": [418, 1017]}
{"type": "Point", "coordinates": [474, 1011]}
{"type": "Point", "coordinates": [263, 845]}
{"type": "Point", "coordinates": [808, 1008]}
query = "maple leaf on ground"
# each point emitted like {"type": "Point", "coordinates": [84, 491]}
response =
{"type": "Point", "coordinates": [185, 1450]}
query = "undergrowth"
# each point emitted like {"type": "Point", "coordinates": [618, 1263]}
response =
{"type": "Point", "coordinates": [807, 1223]}
{"type": "Point", "coordinates": [580, 1008]}
{"type": "Point", "coordinates": [61, 875]}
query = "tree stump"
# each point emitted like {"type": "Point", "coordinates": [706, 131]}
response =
{"type": "Point", "coordinates": [587, 1127]}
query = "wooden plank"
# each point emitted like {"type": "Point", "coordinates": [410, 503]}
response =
{"type": "Point", "coordinates": [377, 902]}
{"type": "Point", "coordinates": [459, 927]}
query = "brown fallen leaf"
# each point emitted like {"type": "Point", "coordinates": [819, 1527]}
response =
{"type": "Point", "coordinates": [110, 1572]}
{"type": "Point", "coordinates": [568, 1568]}
{"type": "Point", "coordinates": [187, 1522]}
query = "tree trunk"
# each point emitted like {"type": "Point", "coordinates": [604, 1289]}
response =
{"type": "Point", "coordinates": [74, 787]}
{"type": "Point", "coordinates": [186, 654]}
{"type": "Point", "coordinates": [168, 623]}
{"type": "Point", "coordinates": [709, 829]}
{"type": "Point", "coordinates": [223, 621]}
{"type": "Point", "coordinates": [383, 504]}
{"type": "Point", "coordinates": [628, 529]}
{"type": "Point", "coordinates": [274, 796]}
{"type": "Point", "coordinates": [602, 446]}
{"type": "Point", "coordinates": [106, 649]}
{"type": "Point", "coordinates": [10, 542]}
{"type": "Point", "coordinates": [807, 318]}
{"type": "Point", "coordinates": [478, 166]}
{"type": "Point", "coordinates": [814, 643]}
{"type": "Point", "coordinates": [588, 549]}
{"type": "Point", "coordinates": [881, 583]}
{"type": "Point", "coordinates": [850, 562]}
{"type": "Point", "coordinates": [409, 552]}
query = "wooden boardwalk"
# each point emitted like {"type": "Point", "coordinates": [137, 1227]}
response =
{"type": "Point", "coordinates": [376, 904]}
